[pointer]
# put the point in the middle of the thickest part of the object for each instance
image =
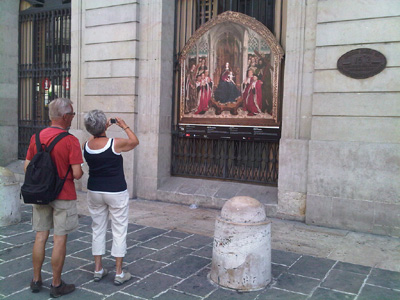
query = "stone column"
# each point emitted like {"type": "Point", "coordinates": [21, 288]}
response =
{"type": "Point", "coordinates": [297, 106]}
{"type": "Point", "coordinates": [154, 95]}
{"type": "Point", "coordinates": [9, 81]}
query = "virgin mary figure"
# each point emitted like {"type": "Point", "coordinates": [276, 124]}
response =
{"type": "Point", "coordinates": [226, 91]}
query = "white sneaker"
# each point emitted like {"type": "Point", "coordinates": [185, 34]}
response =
{"type": "Point", "coordinates": [120, 280]}
{"type": "Point", "coordinates": [97, 276]}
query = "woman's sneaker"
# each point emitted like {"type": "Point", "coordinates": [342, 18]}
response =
{"type": "Point", "coordinates": [120, 280]}
{"type": "Point", "coordinates": [62, 289]}
{"type": "Point", "coordinates": [97, 276]}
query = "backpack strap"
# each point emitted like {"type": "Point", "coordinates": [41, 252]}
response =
{"type": "Point", "coordinates": [56, 140]}
{"type": "Point", "coordinates": [69, 168]}
{"type": "Point", "coordinates": [38, 143]}
{"type": "Point", "coordinates": [51, 146]}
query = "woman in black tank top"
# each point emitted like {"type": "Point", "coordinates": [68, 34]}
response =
{"type": "Point", "coordinates": [107, 189]}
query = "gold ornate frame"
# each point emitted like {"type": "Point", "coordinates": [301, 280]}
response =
{"type": "Point", "coordinates": [276, 54]}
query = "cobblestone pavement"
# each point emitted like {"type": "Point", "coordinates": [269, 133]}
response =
{"type": "Point", "coordinates": [173, 265]}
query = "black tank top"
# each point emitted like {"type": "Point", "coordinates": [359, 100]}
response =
{"type": "Point", "coordinates": [106, 169]}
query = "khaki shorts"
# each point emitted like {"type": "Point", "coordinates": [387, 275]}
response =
{"type": "Point", "coordinates": [62, 215]}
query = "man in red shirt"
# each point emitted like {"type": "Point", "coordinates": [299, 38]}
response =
{"type": "Point", "coordinates": [61, 214]}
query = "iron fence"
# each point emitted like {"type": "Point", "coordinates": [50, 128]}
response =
{"type": "Point", "coordinates": [248, 161]}
{"type": "Point", "coordinates": [44, 68]}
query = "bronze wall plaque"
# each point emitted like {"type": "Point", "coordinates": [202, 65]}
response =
{"type": "Point", "coordinates": [361, 63]}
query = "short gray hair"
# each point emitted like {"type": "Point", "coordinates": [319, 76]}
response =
{"type": "Point", "coordinates": [59, 107]}
{"type": "Point", "coordinates": [95, 122]}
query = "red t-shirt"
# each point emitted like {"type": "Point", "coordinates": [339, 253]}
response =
{"type": "Point", "coordinates": [65, 153]}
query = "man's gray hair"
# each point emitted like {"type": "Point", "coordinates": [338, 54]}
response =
{"type": "Point", "coordinates": [59, 107]}
{"type": "Point", "coordinates": [95, 122]}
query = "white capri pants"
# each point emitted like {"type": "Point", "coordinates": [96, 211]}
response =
{"type": "Point", "coordinates": [101, 206]}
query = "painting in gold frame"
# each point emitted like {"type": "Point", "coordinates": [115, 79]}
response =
{"type": "Point", "coordinates": [229, 74]}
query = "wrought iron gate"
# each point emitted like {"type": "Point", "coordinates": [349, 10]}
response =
{"type": "Point", "coordinates": [44, 68]}
{"type": "Point", "coordinates": [226, 159]}
{"type": "Point", "coordinates": [244, 161]}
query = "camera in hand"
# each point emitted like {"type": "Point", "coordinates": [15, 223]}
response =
{"type": "Point", "coordinates": [113, 121]}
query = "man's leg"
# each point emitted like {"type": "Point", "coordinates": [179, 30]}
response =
{"type": "Point", "coordinates": [42, 222]}
{"type": "Point", "coordinates": [38, 254]}
{"type": "Point", "coordinates": [58, 257]}
{"type": "Point", "coordinates": [65, 219]}
{"type": "Point", "coordinates": [58, 287]}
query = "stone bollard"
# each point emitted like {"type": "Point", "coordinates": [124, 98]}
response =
{"type": "Point", "coordinates": [10, 204]}
{"type": "Point", "coordinates": [241, 257]}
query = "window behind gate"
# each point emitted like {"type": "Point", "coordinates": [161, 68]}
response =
{"type": "Point", "coordinates": [222, 158]}
{"type": "Point", "coordinates": [44, 63]}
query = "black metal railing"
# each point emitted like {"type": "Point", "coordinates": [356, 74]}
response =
{"type": "Point", "coordinates": [44, 68]}
{"type": "Point", "coordinates": [248, 161]}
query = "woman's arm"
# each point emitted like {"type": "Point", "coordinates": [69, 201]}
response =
{"type": "Point", "coordinates": [124, 145]}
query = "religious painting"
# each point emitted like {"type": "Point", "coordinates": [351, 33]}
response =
{"type": "Point", "coordinates": [229, 74]}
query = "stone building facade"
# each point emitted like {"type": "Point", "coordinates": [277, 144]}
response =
{"type": "Point", "coordinates": [339, 155]}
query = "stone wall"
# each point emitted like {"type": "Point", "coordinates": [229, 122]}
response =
{"type": "Point", "coordinates": [8, 81]}
{"type": "Point", "coordinates": [354, 151]}
{"type": "Point", "coordinates": [105, 67]}
{"type": "Point", "coordinates": [340, 153]}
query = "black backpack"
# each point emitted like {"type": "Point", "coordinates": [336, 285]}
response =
{"type": "Point", "coordinates": [42, 183]}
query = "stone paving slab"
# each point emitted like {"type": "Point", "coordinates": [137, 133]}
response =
{"type": "Point", "coordinates": [173, 265]}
